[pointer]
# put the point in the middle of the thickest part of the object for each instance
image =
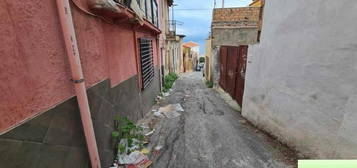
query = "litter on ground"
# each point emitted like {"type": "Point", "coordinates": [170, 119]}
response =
{"type": "Point", "coordinates": [132, 158]}
{"type": "Point", "coordinates": [145, 151]}
{"type": "Point", "coordinates": [157, 148]}
{"type": "Point", "coordinates": [165, 94]}
{"type": "Point", "coordinates": [142, 164]}
{"type": "Point", "coordinates": [149, 133]}
{"type": "Point", "coordinates": [172, 110]}
{"type": "Point", "coordinates": [158, 114]}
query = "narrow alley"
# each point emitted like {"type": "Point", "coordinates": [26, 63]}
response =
{"type": "Point", "coordinates": [178, 84]}
{"type": "Point", "coordinates": [209, 133]}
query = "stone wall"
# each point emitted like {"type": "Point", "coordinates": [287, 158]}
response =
{"type": "Point", "coordinates": [301, 83]}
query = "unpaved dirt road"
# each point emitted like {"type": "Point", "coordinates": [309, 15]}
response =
{"type": "Point", "coordinates": [210, 134]}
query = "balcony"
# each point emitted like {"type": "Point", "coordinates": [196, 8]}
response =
{"type": "Point", "coordinates": [128, 11]}
{"type": "Point", "coordinates": [172, 24]}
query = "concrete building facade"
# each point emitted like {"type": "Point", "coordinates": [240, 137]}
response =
{"type": "Point", "coordinates": [232, 27]}
{"type": "Point", "coordinates": [194, 53]}
{"type": "Point", "coordinates": [187, 59]}
{"type": "Point", "coordinates": [235, 26]}
{"type": "Point", "coordinates": [174, 54]}
{"type": "Point", "coordinates": [301, 83]}
{"type": "Point", "coordinates": [208, 59]}
{"type": "Point", "coordinates": [40, 125]}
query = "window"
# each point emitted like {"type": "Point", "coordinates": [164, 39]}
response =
{"type": "Point", "coordinates": [149, 10]}
{"type": "Point", "coordinates": [146, 59]}
{"type": "Point", "coordinates": [155, 14]}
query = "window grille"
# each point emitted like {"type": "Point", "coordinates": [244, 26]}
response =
{"type": "Point", "coordinates": [147, 64]}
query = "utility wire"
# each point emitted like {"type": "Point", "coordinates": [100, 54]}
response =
{"type": "Point", "coordinates": [194, 9]}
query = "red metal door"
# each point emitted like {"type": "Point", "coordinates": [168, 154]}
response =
{"type": "Point", "coordinates": [240, 75]}
{"type": "Point", "coordinates": [233, 61]}
{"type": "Point", "coordinates": [232, 65]}
{"type": "Point", "coordinates": [223, 66]}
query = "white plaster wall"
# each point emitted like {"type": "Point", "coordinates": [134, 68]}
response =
{"type": "Point", "coordinates": [196, 49]}
{"type": "Point", "coordinates": [301, 81]}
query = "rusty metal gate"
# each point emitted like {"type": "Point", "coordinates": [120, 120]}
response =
{"type": "Point", "coordinates": [232, 70]}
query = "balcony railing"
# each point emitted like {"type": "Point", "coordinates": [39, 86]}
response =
{"type": "Point", "coordinates": [172, 24]}
{"type": "Point", "coordinates": [124, 2]}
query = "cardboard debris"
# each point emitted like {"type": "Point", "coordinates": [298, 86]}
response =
{"type": "Point", "coordinates": [142, 164]}
{"type": "Point", "coordinates": [172, 110]}
{"type": "Point", "coordinates": [133, 158]}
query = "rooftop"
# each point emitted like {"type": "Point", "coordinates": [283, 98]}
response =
{"type": "Point", "coordinates": [190, 44]}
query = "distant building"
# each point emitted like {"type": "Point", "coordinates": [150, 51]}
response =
{"type": "Point", "coordinates": [208, 59]}
{"type": "Point", "coordinates": [194, 51]}
{"type": "Point", "coordinates": [195, 47]}
{"type": "Point", "coordinates": [174, 54]}
{"type": "Point", "coordinates": [235, 26]}
{"type": "Point", "coordinates": [187, 59]}
{"type": "Point", "coordinates": [232, 30]}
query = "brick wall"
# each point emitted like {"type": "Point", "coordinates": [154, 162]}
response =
{"type": "Point", "coordinates": [236, 14]}
{"type": "Point", "coordinates": [235, 26]}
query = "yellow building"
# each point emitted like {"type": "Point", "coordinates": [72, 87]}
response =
{"type": "Point", "coordinates": [187, 59]}
{"type": "Point", "coordinates": [256, 3]}
{"type": "Point", "coordinates": [208, 60]}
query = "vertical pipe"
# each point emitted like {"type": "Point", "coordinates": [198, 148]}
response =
{"type": "Point", "coordinates": [222, 3]}
{"type": "Point", "coordinates": [77, 75]}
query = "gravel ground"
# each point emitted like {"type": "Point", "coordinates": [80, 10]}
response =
{"type": "Point", "coordinates": [210, 134]}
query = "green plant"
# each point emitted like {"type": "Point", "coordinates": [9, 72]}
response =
{"type": "Point", "coordinates": [169, 81]}
{"type": "Point", "coordinates": [202, 59]}
{"type": "Point", "coordinates": [209, 84]}
{"type": "Point", "coordinates": [127, 130]}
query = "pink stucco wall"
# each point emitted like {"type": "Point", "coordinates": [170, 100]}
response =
{"type": "Point", "coordinates": [34, 70]}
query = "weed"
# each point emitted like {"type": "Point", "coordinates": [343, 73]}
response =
{"type": "Point", "coordinates": [209, 84]}
{"type": "Point", "coordinates": [127, 130]}
{"type": "Point", "coordinates": [169, 81]}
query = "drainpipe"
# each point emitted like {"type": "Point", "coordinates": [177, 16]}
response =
{"type": "Point", "coordinates": [69, 35]}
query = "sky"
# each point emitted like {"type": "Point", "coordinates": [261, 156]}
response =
{"type": "Point", "coordinates": [196, 16]}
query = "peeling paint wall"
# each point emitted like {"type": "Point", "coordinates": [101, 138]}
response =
{"type": "Point", "coordinates": [301, 83]}
{"type": "Point", "coordinates": [34, 68]}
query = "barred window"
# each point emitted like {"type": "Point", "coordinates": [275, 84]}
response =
{"type": "Point", "coordinates": [146, 59]}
